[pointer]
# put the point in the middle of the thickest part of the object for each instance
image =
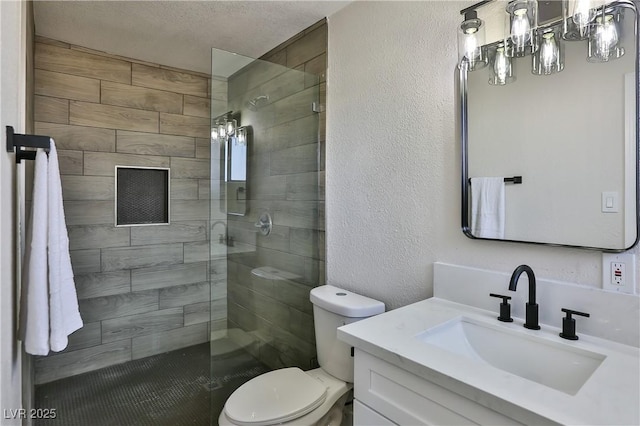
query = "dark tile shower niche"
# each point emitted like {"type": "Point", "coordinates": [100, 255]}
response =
{"type": "Point", "coordinates": [142, 196]}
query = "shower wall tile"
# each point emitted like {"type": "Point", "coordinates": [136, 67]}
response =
{"type": "Point", "coordinates": [204, 311]}
{"type": "Point", "coordinates": [169, 80]}
{"type": "Point", "coordinates": [190, 168]}
{"type": "Point", "coordinates": [304, 186]}
{"type": "Point", "coordinates": [89, 335]}
{"type": "Point", "coordinates": [144, 98]}
{"type": "Point", "coordinates": [68, 61]}
{"type": "Point", "coordinates": [189, 210]}
{"type": "Point", "coordinates": [268, 188]}
{"type": "Point", "coordinates": [141, 325]}
{"type": "Point", "coordinates": [184, 189]}
{"type": "Point", "coordinates": [114, 259]}
{"type": "Point", "coordinates": [154, 144]}
{"type": "Point", "coordinates": [112, 117]}
{"type": "Point", "coordinates": [85, 188]}
{"type": "Point", "coordinates": [70, 162]}
{"type": "Point", "coordinates": [304, 242]}
{"type": "Point", "coordinates": [52, 110]}
{"type": "Point", "coordinates": [302, 131]}
{"type": "Point", "coordinates": [119, 305]}
{"type": "Point", "coordinates": [67, 86]}
{"type": "Point", "coordinates": [299, 159]}
{"type": "Point", "coordinates": [58, 366]}
{"type": "Point", "coordinates": [182, 295]}
{"type": "Point", "coordinates": [156, 343]}
{"type": "Point", "coordinates": [196, 106]}
{"type": "Point", "coordinates": [104, 163]}
{"type": "Point", "coordinates": [174, 233]}
{"type": "Point", "coordinates": [97, 236]}
{"type": "Point", "coordinates": [203, 148]}
{"type": "Point", "coordinates": [295, 106]}
{"type": "Point", "coordinates": [293, 294]}
{"type": "Point", "coordinates": [308, 47]}
{"type": "Point", "coordinates": [168, 276]}
{"type": "Point", "coordinates": [89, 212]}
{"type": "Point", "coordinates": [196, 252]}
{"type": "Point", "coordinates": [102, 284]}
{"type": "Point", "coordinates": [174, 124]}
{"type": "Point", "coordinates": [318, 67]}
{"type": "Point", "coordinates": [218, 90]}
{"type": "Point", "coordinates": [132, 282]}
{"type": "Point", "coordinates": [85, 261]}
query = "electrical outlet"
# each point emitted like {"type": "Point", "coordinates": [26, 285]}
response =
{"type": "Point", "coordinates": [618, 272]}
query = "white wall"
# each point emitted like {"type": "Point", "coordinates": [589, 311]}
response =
{"type": "Point", "coordinates": [393, 158]}
{"type": "Point", "coordinates": [12, 112]}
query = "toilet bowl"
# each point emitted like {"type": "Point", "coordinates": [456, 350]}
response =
{"type": "Point", "coordinates": [314, 397]}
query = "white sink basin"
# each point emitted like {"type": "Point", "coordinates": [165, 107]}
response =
{"type": "Point", "coordinates": [553, 364]}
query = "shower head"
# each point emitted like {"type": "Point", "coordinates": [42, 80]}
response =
{"type": "Point", "coordinates": [257, 102]}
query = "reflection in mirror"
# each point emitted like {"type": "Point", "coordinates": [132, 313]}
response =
{"type": "Point", "coordinates": [565, 119]}
{"type": "Point", "coordinates": [236, 171]}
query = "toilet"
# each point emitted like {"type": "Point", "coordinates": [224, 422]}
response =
{"type": "Point", "coordinates": [314, 397]}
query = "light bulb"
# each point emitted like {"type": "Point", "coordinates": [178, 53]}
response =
{"type": "Point", "coordinates": [214, 132]}
{"type": "Point", "coordinates": [583, 13]}
{"type": "Point", "coordinates": [548, 52]}
{"type": "Point", "coordinates": [606, 34]}
{"type": "Point", "coordinates": [500, 66]}
{"type": "Point", "coordinates": [470, 44]}
{"type": "Point", "coordinates": [520, 28]}
{"type": "Point", "coordinates": [222, 131]}
{"type": "Point", "coordinates": [230, 127]}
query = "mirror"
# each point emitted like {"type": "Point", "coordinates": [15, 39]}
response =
{"type": "Point", "coordinates": [565, 145]}
{"type": "Point", "coordinates": [235, 171]}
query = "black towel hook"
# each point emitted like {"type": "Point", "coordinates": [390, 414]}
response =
{"type": "Point", "coordinates": [16, 141]}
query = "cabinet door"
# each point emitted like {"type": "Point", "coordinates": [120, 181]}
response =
{"type": "Point", "coordinates": [365, 416]}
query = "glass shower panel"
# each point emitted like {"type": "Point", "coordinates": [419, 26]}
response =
{"type": "Point", "coordinates": [261, 275]}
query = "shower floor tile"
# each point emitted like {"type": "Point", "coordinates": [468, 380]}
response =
{"type": "Point", "coordinates": [182, 387]}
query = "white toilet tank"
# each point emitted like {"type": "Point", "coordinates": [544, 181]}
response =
{"type": "Point", "coordinates": [333, 308]}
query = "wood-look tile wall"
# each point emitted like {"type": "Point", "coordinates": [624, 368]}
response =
{"type": "Point", "coordinates": [286, 177]}
{"type": "Point", "coordinates": [142, 290]}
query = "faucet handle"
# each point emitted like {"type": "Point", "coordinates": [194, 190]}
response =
{"type": "Point", "coordinates": [569, 324]}
{"type": "Point", "coordinates": [505, 307]}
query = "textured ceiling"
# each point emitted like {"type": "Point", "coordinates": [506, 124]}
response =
{"type": "Point", "coordinates": [178, 33]}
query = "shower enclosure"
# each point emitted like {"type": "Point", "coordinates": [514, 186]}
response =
{"type": "Point", "coordinates": [178, 314]}
{"type": "Point", "coordinates": [266, 219]}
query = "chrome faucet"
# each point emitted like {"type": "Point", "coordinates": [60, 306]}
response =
{"type": "Point", "coordinates": [531, 314]}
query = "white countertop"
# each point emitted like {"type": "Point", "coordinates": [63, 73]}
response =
{"type": "Point", "coordinates": [610, 396]}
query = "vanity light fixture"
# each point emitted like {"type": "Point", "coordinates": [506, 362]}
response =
{"type": "Point", "coordinates": [471, 40]}
{"type": "Point", "coordinates": [521, 20]}
{"type": "Point", "coordinates": [549, 58]}
{"type": "Point", "coordinates": [501, 71]}
{"type": "Point", "coordinates": [224, 126]}
{"type": "Point", "coordinates": [604, 39]}
{"type": "Point", "coordinates": [241, 135]}
{"type": "Point", "coordinates": [581, 13]}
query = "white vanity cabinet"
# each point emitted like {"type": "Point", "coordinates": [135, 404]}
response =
{"type": "Point", "coordinates": [386, 394]}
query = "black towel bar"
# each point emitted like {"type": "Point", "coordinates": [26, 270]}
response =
{"type": "Point", "coordinates": [16, 141]}
{"type": "Point", "coordinates": [514, 180]}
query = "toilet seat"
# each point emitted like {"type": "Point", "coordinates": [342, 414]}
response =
{"type": "Point", "coordinates": [275, 397]}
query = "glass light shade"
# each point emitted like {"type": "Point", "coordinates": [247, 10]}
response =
{"type": "Point", "coordinates": [521, 20]}
{"type": "Point", "coordinates": [230, 127]}
{"type": "Point", "coordinates": [241, 135]}
{"type": "Point", "coordinates": [578, 16]}
{"type": "Point", "coordinates": [214, 132]}
{"type": "Point", "coordinates": [222, 131]}
{"type": "Point", "coordinates": [549, 58]}
{"type": "Point", "coordinates": [604, 39]}
{"type": "Point", "coordinates": [471, 39]}
{"type": "Point", "coordinates": [501, 70]}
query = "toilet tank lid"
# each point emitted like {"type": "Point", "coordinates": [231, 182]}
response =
{"type": "Point", "coordinates": [345, 303]}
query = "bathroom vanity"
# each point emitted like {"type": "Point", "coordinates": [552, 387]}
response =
{"type": "Point", "coordinates": [442, 362]}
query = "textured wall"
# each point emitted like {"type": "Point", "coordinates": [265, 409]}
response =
{"type": "Point", "coordinates": [271, 305]}
{"type": "Point", "coordinates": [142, 290]}
{"type": "Point", "coordinates": [393, 158]}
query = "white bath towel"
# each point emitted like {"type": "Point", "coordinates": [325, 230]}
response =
{"type": "Point", "coordinates": [64, 315]}
{"type": "Point", "coordinates": [49, 311]}
{"type": "Point", "coordinates": [487, 207]}
{"type": "Point", "coordinates": [34, 312]}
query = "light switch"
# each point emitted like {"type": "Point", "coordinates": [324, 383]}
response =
{"type": "Point", "coordinates": [610, 202]}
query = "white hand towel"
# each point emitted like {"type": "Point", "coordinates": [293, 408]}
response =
{"type": "Point", "coordinates": [487, 207]}
{"type": "Point", "coordinates": [64, 315]}
{"type": "Point", "coordinates": [34, 312]}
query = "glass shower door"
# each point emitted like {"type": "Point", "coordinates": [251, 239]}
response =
{"type": "Point", "coordinates": [266, 220]}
